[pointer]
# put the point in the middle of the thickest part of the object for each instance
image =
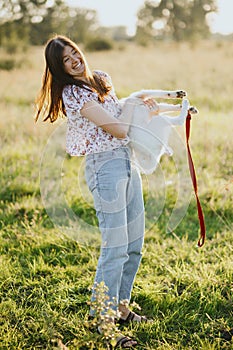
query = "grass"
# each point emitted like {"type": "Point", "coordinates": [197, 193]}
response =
{"type": "Point", "coordinates": [46, 275]}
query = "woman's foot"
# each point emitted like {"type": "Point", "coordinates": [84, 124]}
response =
{"type": "Point", "coordinates": [128, 316]}
{"type": "Point", "coordinates": [132, 317]}
{"type": "Point", "coordinates": [124, 342]}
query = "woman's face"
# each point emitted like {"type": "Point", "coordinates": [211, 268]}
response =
{"type": "Point", "coordinates": [73, 63]}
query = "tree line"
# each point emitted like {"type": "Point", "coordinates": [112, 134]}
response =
{"type": "Point", "coordinates": [33, 22]}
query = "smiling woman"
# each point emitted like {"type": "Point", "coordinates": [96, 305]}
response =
{"type": "Point", "coordinates": [73, 62]}
{"type": "Point", "coordinates": [97, 127]}
{"type": "Point", "coordinates": [63, 57]}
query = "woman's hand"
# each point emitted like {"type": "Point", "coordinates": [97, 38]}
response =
{"type": "Point", "coordinates": [152, 106]}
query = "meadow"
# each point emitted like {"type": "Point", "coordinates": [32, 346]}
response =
{"type": "Point", "coordinates": [47, 272]}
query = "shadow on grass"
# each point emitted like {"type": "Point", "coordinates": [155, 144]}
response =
{"type": "Point", "coordinates": [23, 217]}
{"type": "Point", "coordinates": [215, 220]}
{"type": "Point", "coordinates": [196, 315]}
{"type": "Point", "coordinates": [16, 192]}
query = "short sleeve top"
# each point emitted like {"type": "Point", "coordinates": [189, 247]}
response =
{"type": "Point", "coordinates": [83, 136]}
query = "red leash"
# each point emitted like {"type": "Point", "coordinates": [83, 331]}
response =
{"type": "Point", "coordinates": [194, 181]}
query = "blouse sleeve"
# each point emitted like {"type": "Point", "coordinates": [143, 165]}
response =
{"type": "Point", "coordinates": [75, 97]}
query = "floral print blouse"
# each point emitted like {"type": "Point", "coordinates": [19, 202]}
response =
{"type": "Point", "coordinates": [83, 136]}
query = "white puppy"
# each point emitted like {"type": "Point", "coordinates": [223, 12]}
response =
{"type": "Point", "coordinates": [150, 130]}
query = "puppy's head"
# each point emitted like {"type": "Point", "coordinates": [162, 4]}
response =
{"type": "Point", "coordinates": [193, 110]}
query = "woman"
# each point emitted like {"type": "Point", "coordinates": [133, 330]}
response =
{"type": "Point", "coordinates": [97, 127]}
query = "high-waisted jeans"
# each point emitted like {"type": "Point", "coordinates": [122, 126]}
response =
{"type": "Point", "coordinates": [118, 200]}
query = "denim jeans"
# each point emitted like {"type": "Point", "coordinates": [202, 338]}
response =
{"type": "Point", "coordinates": [118, 200]}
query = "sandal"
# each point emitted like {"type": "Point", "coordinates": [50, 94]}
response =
{"type": "Point", "coordinates": [131, 318]}
{"type": "Point", "coordinates": [227, 335]}
{"type": "Point", "coordinates": [122, 343]}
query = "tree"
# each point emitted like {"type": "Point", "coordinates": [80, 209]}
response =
{"type": "Point", "coordinates": [18, 16]}
{"type": "Point", "coordinates": [81, 24]}
{"type": "Point", "coordinates": [174, 19]}
{"type": "Point", "coordinates": [35, 21]}
{"type": "Point", "coordinates": [76, 23]}
{"type": "Point", "coordinates": [53, 21]}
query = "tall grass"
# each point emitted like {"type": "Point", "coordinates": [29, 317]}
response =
{"type": "Point", "coordinates": [46, 275]}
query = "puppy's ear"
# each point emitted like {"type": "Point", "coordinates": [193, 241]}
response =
{"type": "Point", "coordinates": [193, 110]}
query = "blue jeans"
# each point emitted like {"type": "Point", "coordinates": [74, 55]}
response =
{"type": "Point", "coordinates": [118, 200]}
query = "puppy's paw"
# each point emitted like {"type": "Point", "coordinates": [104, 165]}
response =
{"type": "Point", "coordinates": [193, 110]}
{"type": "Point", "coordinates": [180, 94]}
{"type": "Point", "coordinates": [177, 94]}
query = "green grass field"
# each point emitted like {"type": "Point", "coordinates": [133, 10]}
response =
{"type": "Point", "coordinates": [46, 275]}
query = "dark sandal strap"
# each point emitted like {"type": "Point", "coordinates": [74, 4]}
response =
{"type": "Point", "coordinates": [130, 318]}
{"type": "Point", "coordinates": [122, 341]}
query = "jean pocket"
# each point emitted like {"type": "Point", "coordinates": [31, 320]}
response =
{"type": "Point", "coordinates": [90, 176]}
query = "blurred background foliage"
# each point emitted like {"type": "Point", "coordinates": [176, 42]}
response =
{"type": "Point", "coordinates": [24, 23]}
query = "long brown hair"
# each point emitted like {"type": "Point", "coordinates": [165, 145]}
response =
{"type": "Point", "coordinates": [49, 102]}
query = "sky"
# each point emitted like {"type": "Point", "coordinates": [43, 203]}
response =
{"type": "Point", "coordinates": [123, 12]}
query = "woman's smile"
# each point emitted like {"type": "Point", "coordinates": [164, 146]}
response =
{"type": "Point", "coordinates": [72, 62]}
{"type": "Point", "coordinates": [77, 65]}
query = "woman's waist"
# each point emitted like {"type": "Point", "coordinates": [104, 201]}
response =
{"type": "Point", "coordinates": [117, 152]}
{"type": "Point", "coordinates": [80, 144]}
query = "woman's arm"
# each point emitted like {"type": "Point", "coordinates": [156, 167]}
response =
{"type": "Point", "coordinates": [94, 112]}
